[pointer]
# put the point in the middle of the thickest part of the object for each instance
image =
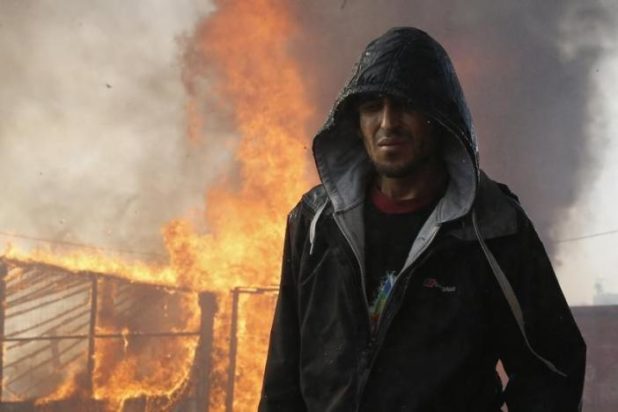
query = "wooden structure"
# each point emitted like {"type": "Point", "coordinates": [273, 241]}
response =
{"type": "Point", "coordinates": [51, 320]}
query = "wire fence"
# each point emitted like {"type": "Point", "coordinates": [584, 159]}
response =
{"type": "Point", "coordinates": [53, 323]}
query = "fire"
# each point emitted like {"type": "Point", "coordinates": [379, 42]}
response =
{"type": "Point", "coordinates": [253, 336]}
{"type": "Point", "coordinates": [242, 49]}
{"type": "Point", "coordinates": [66, 389]}
{"type": "Point", "coordinates": [82, 260]}
{"type": "Point", "coordinates": [246, 44]}
{"type": "Point", "coordinates": [129, 366]}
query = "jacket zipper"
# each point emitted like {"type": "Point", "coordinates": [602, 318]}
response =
{"type": "Point", "coordinates": [346, 236]}
{"type": "Point", "coordinates": [376, 339]}
{"type": "Point", "coordinates": [361, 268]}
{"type": "Point", "coordinates": [374, 343]}
{"type": "Point", "coordinates": [400, 275]}
{"type": "Point", "coordinates": [362, 275]}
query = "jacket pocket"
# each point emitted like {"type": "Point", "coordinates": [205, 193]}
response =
{"type": "Point", "coordinates": [308, 265]}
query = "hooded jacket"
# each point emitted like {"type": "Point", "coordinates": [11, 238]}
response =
{"type": "Point", "coordinates": [476, 287]}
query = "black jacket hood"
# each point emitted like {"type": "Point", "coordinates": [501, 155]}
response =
{"type": "Point", "coordinates": [407, 63]}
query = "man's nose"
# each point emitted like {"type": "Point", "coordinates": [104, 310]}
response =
{"type": "Point", "coordinates": [391, 114]}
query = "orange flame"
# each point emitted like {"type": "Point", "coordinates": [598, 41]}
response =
{"type": "Point", "coordinates": [67, 388]}
{"type": "Point", "coordinates": [246, 44]}
{"type": "Point", "coordinates": [247, 41]}
{"type": "Point", "coordinates": [244, 47]}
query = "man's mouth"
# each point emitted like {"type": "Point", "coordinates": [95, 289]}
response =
{"type": "Point", "coordinates": [393, 141]}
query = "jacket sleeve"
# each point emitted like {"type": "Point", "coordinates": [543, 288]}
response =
{"type": "Point", "coordinates": [551, 330]}
{"type": "Point", "coordinates": [281, 386]}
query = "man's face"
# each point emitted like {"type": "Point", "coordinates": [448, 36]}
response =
{"type": "Point", "coordinates": [398, 139]}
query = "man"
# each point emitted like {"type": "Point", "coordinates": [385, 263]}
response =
{"type": "Point", "coordinates": [408, 273]}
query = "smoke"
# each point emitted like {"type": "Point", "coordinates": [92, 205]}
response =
{"type": "Point", "coordinates": [525, 68]}
{"type": "Point", "coordinates": [92, 138]}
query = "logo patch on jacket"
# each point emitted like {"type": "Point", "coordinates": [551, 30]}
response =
{"type": "Point", "coordinates": [432, 283]}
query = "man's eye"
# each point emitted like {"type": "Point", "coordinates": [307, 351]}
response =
{"type": "Point", "coordinates": [407, 106]}
{"type": "Point", "coordinates": [370, 106]}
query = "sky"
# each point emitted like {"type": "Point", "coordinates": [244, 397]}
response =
{"type": "Point", "coordinates": [93, 145]}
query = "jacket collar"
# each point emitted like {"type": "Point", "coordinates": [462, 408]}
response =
{"type": "Point", "coordinates": [496, 213]}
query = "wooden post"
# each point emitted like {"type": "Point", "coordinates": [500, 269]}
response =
{"type": "Point", "coordinates": [231, 376]}
{"type": "Point", "coordinates": [91, 334]}
{"type": "Point", "coordinates": [203, 364]}
{"type": "Point", "coordinates": [3, 273]}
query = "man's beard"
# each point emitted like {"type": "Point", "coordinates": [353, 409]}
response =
{"type": "Point", "coordinates": [427, 154]}
{"type": "Point", "coordinates": [403, 169]}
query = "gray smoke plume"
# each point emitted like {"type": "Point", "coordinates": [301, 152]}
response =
{"type": "Point", "coordinates": [92, 137]}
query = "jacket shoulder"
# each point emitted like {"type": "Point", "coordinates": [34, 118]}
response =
{"type": "Point", "coordinates": [315, 197]}
{"type": "Point", "coordinates": [506, 204]}
{"type": "Point", "coordinates": [523, 221]}
{"type": "Point", "coordinates": [497, 211]}
{"type": "Point", "coordinates": [308, 205]}
{"type": "Point", "coordinates": [299, 218]}
{"type": "Point", "coordinates": [508, 193]}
